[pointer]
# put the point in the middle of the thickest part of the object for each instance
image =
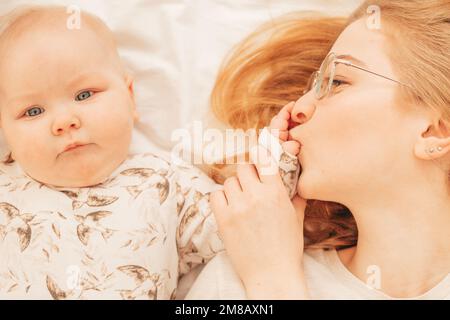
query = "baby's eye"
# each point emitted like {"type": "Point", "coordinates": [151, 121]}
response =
{"type": "Point", "coordinates": [34, 111]}
{"type": "Point", "coordinates": [84, 95]}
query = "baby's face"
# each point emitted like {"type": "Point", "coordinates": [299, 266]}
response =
{"type": "Point", "coordinates": [59, 89]}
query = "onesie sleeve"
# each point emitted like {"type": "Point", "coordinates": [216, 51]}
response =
{"type": "Point", "coordinates": [197, 233]}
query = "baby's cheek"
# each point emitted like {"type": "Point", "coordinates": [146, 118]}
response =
{"type": "Point", "coordinates": [35, 150]}
{"type": "Point", "coordinates": [118, 126]}
{"type": "Point", "coordinates": [112, 129]}
{"type": "Point", "coordinates": [33, 155]}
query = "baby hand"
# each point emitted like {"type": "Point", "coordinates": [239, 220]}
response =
{"type": "Point", "coordinates": [279, 127]}
{"type": "Point", "coordinates": [284, 151]}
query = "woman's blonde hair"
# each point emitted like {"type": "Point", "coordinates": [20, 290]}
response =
{"type": "Point", "coordinates": [272, 66]}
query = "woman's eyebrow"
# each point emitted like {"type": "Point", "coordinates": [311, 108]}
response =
{"type": "Point", "coordinates": [352, 59]}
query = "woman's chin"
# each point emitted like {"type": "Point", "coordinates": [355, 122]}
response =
{"type": "Point", "coordinates": [302, 187]}
{"type": "Point", "coordinates": [307, 186]}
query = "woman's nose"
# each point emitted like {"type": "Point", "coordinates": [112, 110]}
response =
{"type": "Point", "coordinates": [65, 123]}
{"type": "Point", "coordinates": [303, 109]}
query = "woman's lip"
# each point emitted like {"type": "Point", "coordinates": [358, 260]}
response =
{"type": "Point", "coordinates": [292, 124]}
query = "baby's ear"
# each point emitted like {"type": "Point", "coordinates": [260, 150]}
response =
{"type": "Point", "coordinates": [9, 159]}
{"type": "Point", "coordinates": [129, 81]}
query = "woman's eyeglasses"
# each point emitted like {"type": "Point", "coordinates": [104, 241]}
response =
{"type": "Point", "coordinates": [322, 80]}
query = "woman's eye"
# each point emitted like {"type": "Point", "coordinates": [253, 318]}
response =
{"type": "Point", "coordinates": [35, 111]}
{"type": "Point", "coordinates": [84, 95]}
{"type": "Point", "coordinates": [337, 83]}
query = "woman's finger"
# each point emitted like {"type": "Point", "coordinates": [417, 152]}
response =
{"type": "Point", "coordinates": [219, 205]}
{"type": "Point", "coordinates": [266, 166]}
{"type": "Point", "coordinates": [248, 177]}
{"type": "Point", "coordinates": [232, 189]}
{"type": "Point", "coordinates": [218, 200]}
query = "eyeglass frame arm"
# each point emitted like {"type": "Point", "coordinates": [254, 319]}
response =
{"type": "Point", "coordinates": [348, 63]}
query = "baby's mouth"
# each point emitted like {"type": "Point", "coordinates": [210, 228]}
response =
{"type": "Point", "coordinates": [73, 146]}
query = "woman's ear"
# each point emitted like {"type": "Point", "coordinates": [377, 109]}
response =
{"type": "Point", "coordinates": [129, 81]}
{"type": "Point", "coordinates": [434, 143]}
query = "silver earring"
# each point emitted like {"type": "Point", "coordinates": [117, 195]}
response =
{"type": "Point", "coordinates": [431, 150]}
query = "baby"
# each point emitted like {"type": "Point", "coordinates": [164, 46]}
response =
{"type": "Point", "coordinates": [80, 218]}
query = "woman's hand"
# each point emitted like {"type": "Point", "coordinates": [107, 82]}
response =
{"type": "Point", "coordinates": [262, 230]}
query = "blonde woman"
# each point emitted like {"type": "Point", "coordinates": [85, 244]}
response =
{"type": "Point", "coordinates": [374, 133]}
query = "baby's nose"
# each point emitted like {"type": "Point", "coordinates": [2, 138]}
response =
{"type": "Point", "coordinates": [65, 124]}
